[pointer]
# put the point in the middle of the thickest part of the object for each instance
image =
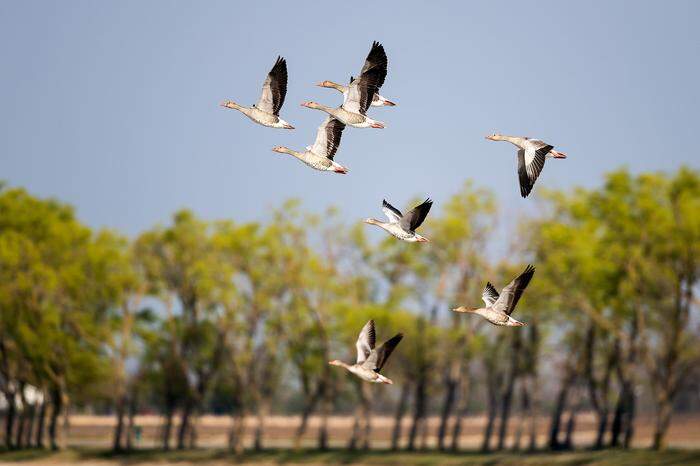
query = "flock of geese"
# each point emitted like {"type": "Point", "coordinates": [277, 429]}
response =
{"type": "Point", "coordinates": [359, 94]}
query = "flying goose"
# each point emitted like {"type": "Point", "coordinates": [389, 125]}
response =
{"type": "Point", "coordinates": [266, 111]}
{"type": "Point", "coordinates": [360, 93]}
{"type": "Point", "coordinates": [376, 56]}
{"type": "Point", "coordinates": [404, 226]}
{"type": "Point", "coordinates": [320, 155]}
{"type": "Point", "coordinates": [531, 156]}
{"type": "Point", "coordinates": [370, 360]}
{"type": "Point", "coordinates": [499, 308]}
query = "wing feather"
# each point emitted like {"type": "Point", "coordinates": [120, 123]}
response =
{"type": "Point", "coordinates": [510, 295]}
{"type": "Point", "coordinates": [391, 212]}
{"type": "Point", "coordinates": [274, 88]}
{"type": "Point", "coordinates": [415, 217]}
{"type": "Point", "coordinates": [365, 342]}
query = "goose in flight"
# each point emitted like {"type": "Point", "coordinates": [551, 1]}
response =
{"type": "Point", "coordinates": [404, 226]}
{"type": "Point", "coordinates": [353, 111]}
{"type": "Point", "coordinates": [498, 309]}
{"type": "Point", "coordinates": [267, 111]}
{"type": "Point", "coordinates": [376, 55]}
{"type": "Point", "coordinates": [320, 155]}
{"type": "Point", "coordinates": [531, 156]}
{"type": "Point", "coordinates": [370, 360]}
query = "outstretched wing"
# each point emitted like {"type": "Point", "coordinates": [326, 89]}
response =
{"type": "Point", "coordinates": [365, 342]}
{"type": "Point", "coordinates": [274, 88]}
{"type": "Point", "coordinates": [328, 137]}
{"type": "Point", "coordinates": [510, 295]}
{"type": "Point", "coordinates": [530, 164]}
{"type": "Point", "coordinates": [376, 59]}
{"type": "Point", "coordinates": [490, 295]}
{"type": "Point", "coordinates": [391, 212]}
{"type": "Point", "coordinates": [414, 217]}
{"type": "Point", "coordinates": [378, 358]}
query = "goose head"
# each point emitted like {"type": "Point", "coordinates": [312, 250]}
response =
{"type": "Point", "coordinates": [230, 104]}
{"type": "Point", "coordinates": [280, 149]}
{"type": "Point", "coordinates": [335, 362]}
{"type": "Point", "coordinates": [328, 84]}
{"type": "Point", "coordinates": [421, 239]}
{"type": "Point", "coordinates": [310, 105]}
{"type": "Point", "coordinates": [495, 137]}
{"type": "Point", "coordinates": [464, 309]}
{"type": "Point", "coordinates": [372, 221]}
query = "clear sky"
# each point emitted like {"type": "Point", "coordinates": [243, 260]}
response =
{"type": "Point", "coordinates": [113, 106]}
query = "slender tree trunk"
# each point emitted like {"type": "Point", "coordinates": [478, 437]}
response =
{"type": "Point", "coordinates": [559, 409]}
{"type": "Point", "coordinates": [418, 410]}
{"type": "Point", "coordinates": [261, 417]}
{"type": "Point", "coordinates": [602, 427]}
{"type": "Point", "coordinates": [399, 415]}
{"type": "Point", "coordinates": [168, 427]}
{"type": "Point", "coordinates": [56, 408]}
{"type": "Point", "coordinates": [130, 424]}
{"type": "Point", "coordinates": [367, 415]}
{"type": "Point", "coordinates": [451, 385]}
{"type": "Point", "coordinates": [533, 412]}
{"type": "Point", "coordinates": [309, 407]}
{"type": "Point", "coordinates": [10, 418]}
{"type": "Point", "coordinates": [21, 418]}
{"type": "Point", "coordinates": [235, 436]}
{"type": "Point", "coordinates": [490, 421]}
{"type": "Point", "coordinates": [570, 428]}
{"type": "Point", "coordinates": [119, 428]}
{"type": "Point", "coordinates": [524, 411]}
{"type": "Point", "coordinates": [28, 436]}
{"type": "Point", "coordinates": [41, 421]}
{"type": "Point", "coordinates": [463, 408]}
{"type": "Point", "coordinates": [507, 397]}
{"type": "Point", "coordinates": [184, 423]}
{"type": "Point", "coordinates": [629, 422]}
{"type": "Point", "coordinates": [663, 420]}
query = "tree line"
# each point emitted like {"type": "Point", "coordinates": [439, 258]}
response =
{"type": "Point", "coordinates": [241, 318]}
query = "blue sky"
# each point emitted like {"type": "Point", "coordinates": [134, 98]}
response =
{"type": "Point", "coordinates": [113, 106]}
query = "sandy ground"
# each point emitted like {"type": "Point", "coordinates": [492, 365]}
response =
{"type": "Point", "coordinates": [95, 431]}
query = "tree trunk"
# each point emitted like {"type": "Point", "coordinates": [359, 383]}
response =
{"type": "Point", "coordinates": [40, 423]}
{"type": "Point", "coordinates": [119, 428]}
{"type": "Point", "coordinates": [507, 397]}
{"type": "Point", "coordinates": [418, 410]}
{"type": "Point", "coordinates": [488, 430]}
{"type": "Point", "coordinates": [31, 415]}
{"type": "Point", "coordinates": [463, 408]}
{"type": "Point", "coordinates": [130, 425]}
{"type": "Point", "coordinates": [10, 418]}
{"type": "Point", "coordinates": [559, 408]}
{"type": "Point", "coordinates": [56, 408]}
{"type": "Point", "coordinates": [629, 422]}
{"type": "Point", "coordinates": [21, 418]}
{"type": "Point", "coordinates": [663, 420]}
{"type": "Point", "coordinates": [602, 427]}
{"type": "Point", "coordinates": [184, 423]}
{"type": "Point", "coordinates": [261, 417]}
{"type": "Point", "coordinates": [451, 385]}
{"type": "Point", "coordinates": [235, 436]}
{"type": "Point", "coordinates": [168, 427]}
{"type": "Point", "coordinates": [399, 415]}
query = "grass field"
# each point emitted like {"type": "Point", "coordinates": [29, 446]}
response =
{"type": "Point", "coordinates": [210, 457]}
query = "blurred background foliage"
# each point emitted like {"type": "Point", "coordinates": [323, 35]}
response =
{"type": "Point", "coordinates": [240, 319]}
